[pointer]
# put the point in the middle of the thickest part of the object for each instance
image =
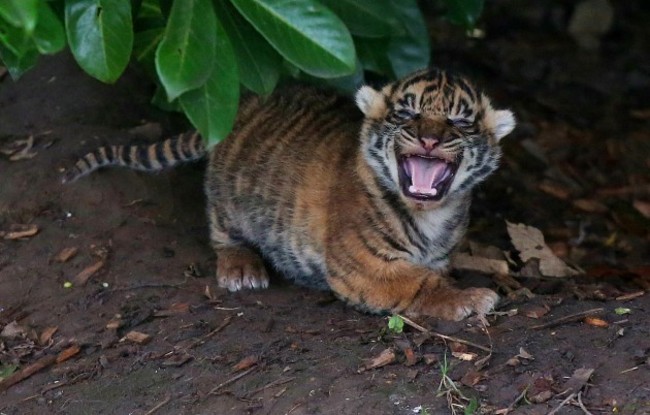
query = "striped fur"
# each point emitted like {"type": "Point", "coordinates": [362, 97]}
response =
{"type": "Point", "coordinates": [321, 192]}
{"type": "Point", "coordinates": [154, 157]}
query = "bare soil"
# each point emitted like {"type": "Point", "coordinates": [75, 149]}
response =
{"type": "Point", "coordinates": [576, 168]}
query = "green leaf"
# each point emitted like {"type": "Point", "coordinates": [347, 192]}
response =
{"type": "Point", "coordinates": [185, 56]}
{"type": "Point", "coordinates": [366, 18]}
{"type": "Point", "coordinates": [100, 33]}
{"type": "Point", "coordinates": [20, 13]}
{"type": "Point", "coordinates": [7, 370]}
{"type": "Point", "coordinates": [464, 12]}
{"type": "Point", "coordinates": [17, 51]}
{"type": "Point", "coordinates": [396, 324]}
{"type": "Point", "coordinates": [49, 35]}
{"type": "Point", "coordinates": [18, 65]}
{"type": "Point", "coordinates": [373, 55]}
{"type": "Point", "coordinates": [144, 48]}
{"type": "Point", "coordinates": [15, 39]}
{"type": "Point", "coordinates": [305, 32]}
{"type": "Point", "coordinates": [161, 101]}
{"type": "Point", "coordinates": [213, 106]}
{"type": "Point", "coordinates": [622, 311]}
{"type": "Point", "coordinates": [259, 64]}
{"type": "Point", "coordinates": [410, 52]}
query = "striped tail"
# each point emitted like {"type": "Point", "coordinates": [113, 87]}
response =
{"type": "Point", "coordinates": [182, 148]}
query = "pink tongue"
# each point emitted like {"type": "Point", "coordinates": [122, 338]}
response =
{"type": "Point", "coordinates": [424, 173]}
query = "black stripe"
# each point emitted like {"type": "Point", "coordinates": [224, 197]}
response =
{"type": "Point", "coordinates": [160, 155]}
{"type": "Point", "coordinates": [143, 157]}
{"type": "Point", "coordinates": [402, 212]}
{"type": "Point", "coordinates": [374, 250]}
{"type": "Point", "coordinates": [174, 150]}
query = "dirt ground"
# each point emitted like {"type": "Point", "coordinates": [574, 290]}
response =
{"type": "Point", "coordinates": [576, 168]}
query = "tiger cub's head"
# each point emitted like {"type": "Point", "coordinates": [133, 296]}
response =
{"type": "Point", "coordinates": [431, 136]}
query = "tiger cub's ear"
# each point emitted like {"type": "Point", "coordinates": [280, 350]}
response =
{"type": "Point", "coordinates": [370, 102]}
{"type": "Point", "coordinates": [502, 122]}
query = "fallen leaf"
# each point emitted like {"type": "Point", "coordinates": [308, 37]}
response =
{"type": "Point", "coordinates": [536, 311]}
{"type": "Point", "coordinates": [597, 322]}
{"type": "Point", "coordinates": [513, 361]}
{"type": "Point", "coordinates": [430, 358]}
{"type": "Point", "coordinates": [245, 363]}
{"type": "Point", "coordinates": [529, 241]}
{"type": "Point", "coordinates": [13, 330]}
{"type": "Point", "coordinates": [541, 390]}
{"type": "Point", "coordinates": [641, 114]}
{"type": "Point", "coordinates": [642, 207]}
{"type": "Point", "coordinates": [466, 356]}
{"type": "Point", "coordinates": [46, 335]}
{"type": "Point", "coordinates": [176, 308]}
{"type": "Point", "coordinates": [82, 277]}
{"type": "Point", "coordinates": [591, 19]}
{"type": "Point", "coordinates": [66, 254]}
{"type": "Point", "coordinates": [21, 232]}
{"type": "Point", "coordinates": [177, 360]}
{"type": "Point", "coordinates": [473, 263]}
{"type": "Point", "coordinates": [471, 378]}
{"type": "Point", "coordinates": [384, 358]}
{"type": "Point", "coordinates": [138, 337]}
{"type": "Point", "coordinates": [578, 380]}
{"type": "Point", "coordinates": [524, 354]}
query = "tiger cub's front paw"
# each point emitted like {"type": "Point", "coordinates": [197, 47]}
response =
{"type": "Point", "coordinates": [456, 304]}
{"type": "Point", "coordinates": [240, 268]}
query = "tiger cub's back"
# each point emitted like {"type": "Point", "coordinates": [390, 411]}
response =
{"type": "Point", "coordinates": [267, 183]}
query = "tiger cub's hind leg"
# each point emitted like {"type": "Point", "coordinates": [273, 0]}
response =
{"type": "Point", "coordinates": [238, 267]}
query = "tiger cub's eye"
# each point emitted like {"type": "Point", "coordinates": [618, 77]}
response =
{"type": "Point", "coordinates": [404, 114]}
{"type": "Point", "coordinates": [460, 122]}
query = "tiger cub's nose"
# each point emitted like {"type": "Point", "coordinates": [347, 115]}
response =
{"type": "Point", "coordinates": [429, 142]}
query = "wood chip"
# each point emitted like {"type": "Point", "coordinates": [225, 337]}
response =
{"type": "Point", "coordinates": [411, 358]}
{"type": "Point", "coordinates": [176, 308]}
{"type": "Point", "coordinates": [536, 311]}
{"type": "Point", "coordinates": [384, 358]}
{"type": "Point", "coordinates": [83, 277]}
{"type": "Point", "coordinates": [138, 337]}
{"type": "Point", "coordinates": [466, 356]}
{"type": "Point", "coordinates": [24, 153]}
{"type": "Point", "coordinates": [68, 353]}
{"type": "Point", "coordinates": [591, 206]}
{"type": "Point", "coordinates": [115, 323]}
{"type": "Point", "coordinates": [66, 254]}
{"type": "Point", "coordinates": [20, 232]}
{"type": "Point", "coordinates": [27, 371]}
{"type": "Point", "coordinates": [46, 335]}
{"type": "Point", "coordinates": [245, 363]}
{"type": "Point", "coordinates": [473, 263]}
{"type": "Point", "coordinates": [554, 189]}
{"type": "Point", "coordinates": [597, 322]}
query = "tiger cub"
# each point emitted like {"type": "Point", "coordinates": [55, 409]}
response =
{"type": "Point", "coordinates": [366, 203]}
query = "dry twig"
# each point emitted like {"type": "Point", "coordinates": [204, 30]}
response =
{"type": "Point", "coordinates": [569, 318]}
{"type": "Point", "coordinates": [443, 336]}
{"type": "Point", "coordinates": [233, 379]}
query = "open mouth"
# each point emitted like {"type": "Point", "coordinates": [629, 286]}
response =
{"type": "Point", "coordinates": [425, 178]}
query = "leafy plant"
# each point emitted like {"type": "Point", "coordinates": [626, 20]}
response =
{"type": "Point", "coordinates": [200, 51]}
{"type": "Point", "coordinates": [396, 324]}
